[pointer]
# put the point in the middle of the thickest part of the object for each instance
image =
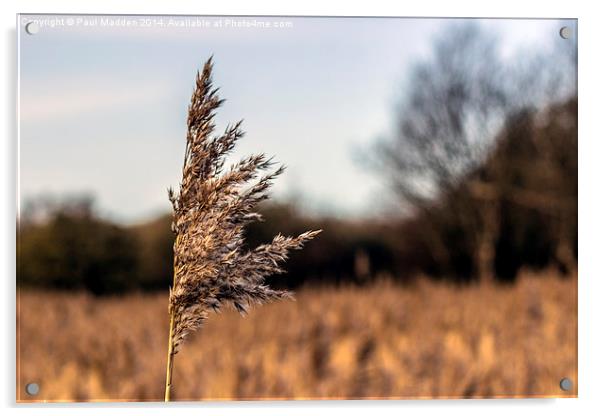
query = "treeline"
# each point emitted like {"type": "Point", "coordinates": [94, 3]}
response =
{"type": "Point", "coordinates": [519, 209]}
{"type": "Point", "coordinates": [72, 248]}
{"type": "Point", "coordinates": [483, 155]}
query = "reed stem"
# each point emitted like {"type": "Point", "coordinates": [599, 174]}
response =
{"type": "Point", "coordinates": [170, 358]}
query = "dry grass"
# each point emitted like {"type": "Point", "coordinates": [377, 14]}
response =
{"type": "Point", "coordinates": [382, 341]}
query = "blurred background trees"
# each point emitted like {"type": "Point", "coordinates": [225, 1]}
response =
{"type": "Point", "coordinates": [66, 246]}
{"type": "Point", "coordinates": [484, 156]}
{"type": "Point", "coordinates": [482, 159]}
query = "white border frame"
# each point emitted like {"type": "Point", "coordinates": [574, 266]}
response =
{"type": "Point", "coordinates": [590, 206]}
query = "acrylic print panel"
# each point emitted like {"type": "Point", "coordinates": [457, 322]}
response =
{"type": "Point", "coordinates": [421, 242]}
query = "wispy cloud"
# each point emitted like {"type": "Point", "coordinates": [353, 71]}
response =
{"type": "Point", "coordinates": [49, 99]}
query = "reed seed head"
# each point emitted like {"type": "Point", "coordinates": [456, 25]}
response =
{"type": "Point", "coordinates": [210, 211]}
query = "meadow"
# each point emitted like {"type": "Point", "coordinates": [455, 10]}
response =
{"type": "Point", "coordinates": [378, 341]}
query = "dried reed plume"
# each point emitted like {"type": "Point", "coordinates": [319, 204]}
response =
{"type": "Point", "coordinates": [211, 266]}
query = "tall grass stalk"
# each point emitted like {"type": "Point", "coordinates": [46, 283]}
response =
{"type": "Point", "coordinates": [212, 267]}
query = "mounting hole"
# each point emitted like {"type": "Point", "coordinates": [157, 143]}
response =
{"type": "Point", "coordinates": [566, 384]}
{"type": "Point", "coordinates": [565, 32]}
{"type": "Point", "coordinates": [32, 389]}
{"type": "Point", "coordinates": [32, 28]}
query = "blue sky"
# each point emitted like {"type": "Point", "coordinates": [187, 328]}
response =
{"type": "Point", "coordinates": [103, 108]}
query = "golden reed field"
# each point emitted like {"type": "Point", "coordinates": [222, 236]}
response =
{"type": "Point", "coordinates": [382, 341]}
